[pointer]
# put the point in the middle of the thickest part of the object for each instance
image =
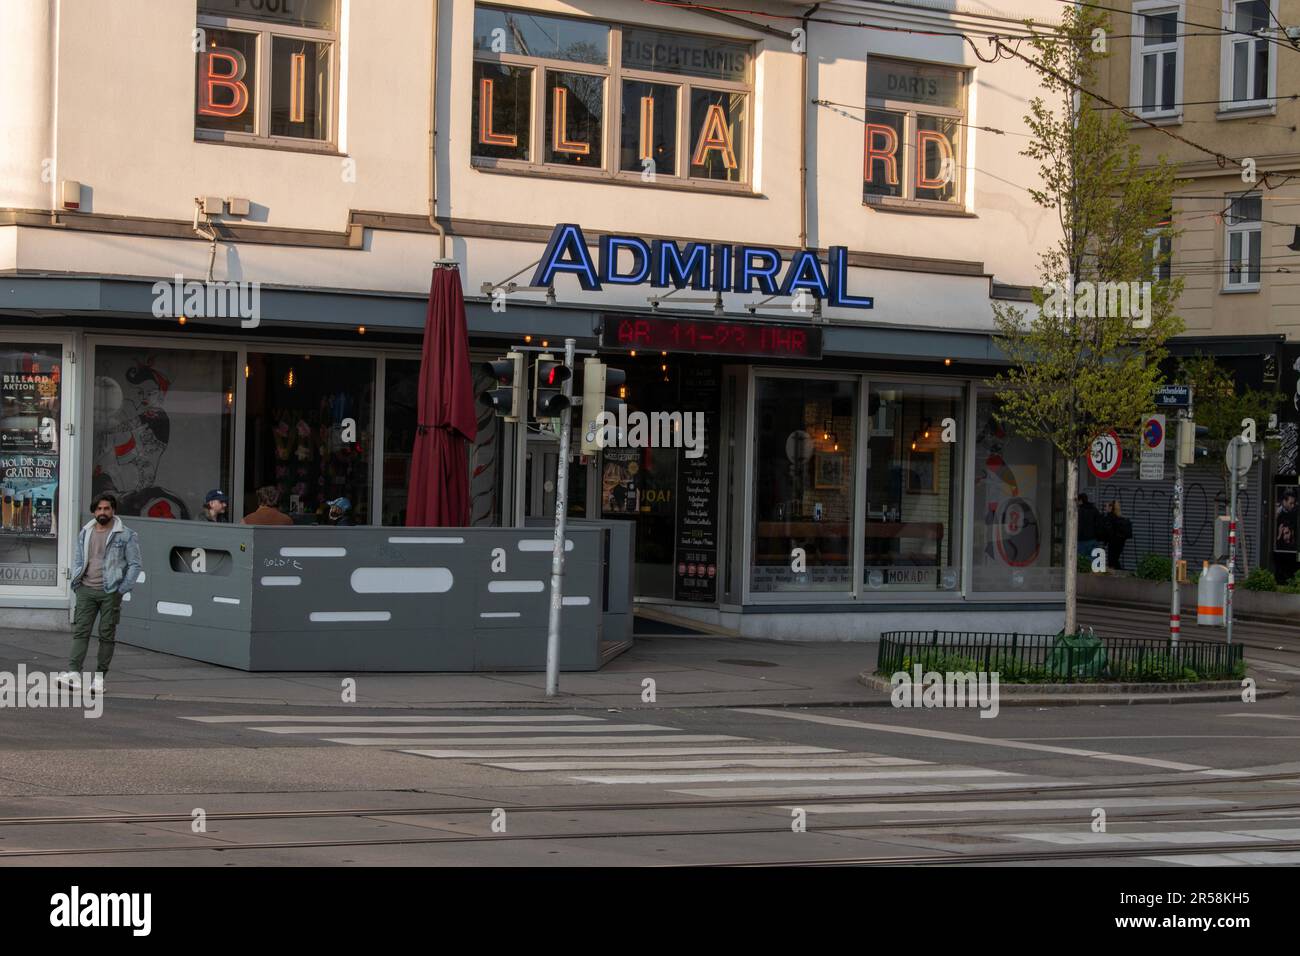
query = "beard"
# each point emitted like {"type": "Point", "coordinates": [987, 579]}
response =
{"type": "Point", "coordinates": [103, 519]}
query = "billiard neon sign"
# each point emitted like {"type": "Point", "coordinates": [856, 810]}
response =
{"type": "Point", "coordinates": [702, 266]}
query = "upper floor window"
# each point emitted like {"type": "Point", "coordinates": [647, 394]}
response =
{"type": "Point", "coordinates": [1248, 71]}
{"type": "Point", "coordinates": [613, 102]}
{"type": "Point", "coordinates": [1244, 235]}
{"type": "Point", "coordinates": [1160, 252]}
{"type": "Point", "coordinates": [914, 150]}
{"type": "Point", "coordinates": [266, 71]}
{"type": "Point", "coordinates": [1157, 77]}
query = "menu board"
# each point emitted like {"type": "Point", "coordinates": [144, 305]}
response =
{"type": "Point", "coordinates": [697, 490]}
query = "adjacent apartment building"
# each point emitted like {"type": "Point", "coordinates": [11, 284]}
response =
{"type": "Point", "coordinates": [1216, 88]}
{"type": "Point", "coordinates": [218, 220]}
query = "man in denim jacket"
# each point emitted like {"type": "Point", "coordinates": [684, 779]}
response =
{"type": "Point", "coordinates": [106, 567]}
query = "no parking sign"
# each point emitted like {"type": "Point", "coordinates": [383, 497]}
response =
{"type": "Point", "coordinates": [1105, 455]}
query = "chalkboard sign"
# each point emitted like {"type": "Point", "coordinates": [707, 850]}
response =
{"type": "Point", "coordinates": [697, 490]}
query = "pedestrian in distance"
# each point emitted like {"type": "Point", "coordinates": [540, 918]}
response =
{"type": "Point", "coordinates": [268, 497]}
{"type": "Point", "coordinates": [1089, 526]}
{"type": "Point", "coordinates": [106, 567]}
{"type": "Point", "coordinates": [1118, 531]}
{"type": "Point", "coordinates": [340, 513]}
{"type": "Point", "coordinates": [215, 505]}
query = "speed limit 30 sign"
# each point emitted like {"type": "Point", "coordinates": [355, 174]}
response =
{"type": "Point", "coordinates": [1104, 456]}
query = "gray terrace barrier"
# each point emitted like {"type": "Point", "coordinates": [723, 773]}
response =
{"type": "Point", "coordinates": [376, 599]}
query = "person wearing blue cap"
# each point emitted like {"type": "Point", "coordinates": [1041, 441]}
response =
{"type": "Point", "coordinates": [214, 506]}
{"type": "Point", "coordinates": [340, 513]}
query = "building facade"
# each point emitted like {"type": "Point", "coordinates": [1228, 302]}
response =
{"type": "Point", "coordinates": [1211, 87]}
{"type": "Point", "coordinates": [216, 256]}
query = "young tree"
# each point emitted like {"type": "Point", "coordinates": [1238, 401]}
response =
{"type": "Point", "coordinates": [1221, 407]}
{"type": "Point", "coordinates": [1080, 366]}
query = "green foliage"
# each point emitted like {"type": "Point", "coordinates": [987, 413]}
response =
{"type": "Point", "coordinates": [1155, 567]}
{"type": "Point", "coordinates": [1261, 579]}
{"type": "Point", "coordinates": [1220, 406]}
{"type": "Point", "coordinates": [1084, 565]}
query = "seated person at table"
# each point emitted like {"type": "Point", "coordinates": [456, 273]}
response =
{"type": "Point", "coordinates": [267, 512]}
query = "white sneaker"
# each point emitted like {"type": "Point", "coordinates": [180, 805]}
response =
{"type": "Point", "coordinates": [70, 679]}
{"type": "Point", "coordinates": [97, 685]}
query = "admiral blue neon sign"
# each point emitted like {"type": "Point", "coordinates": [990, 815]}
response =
{"type": "Point", "coordinates": [704, 266]}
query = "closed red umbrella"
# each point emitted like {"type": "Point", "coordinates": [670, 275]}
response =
{"type": "Point", "coordinates": [438, 493]}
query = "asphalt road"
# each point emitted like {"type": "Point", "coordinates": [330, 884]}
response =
{"type": "Point", "coordinates": [190, 784]}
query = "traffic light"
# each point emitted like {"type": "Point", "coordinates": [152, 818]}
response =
{"type": "Point", "coordinates": [598, 380]}
{"type": "Point", "coordinates": [1188, 432]}
{"type": "Point", "coordinates": [548, 376]}
{"type": "Point", "coordinates": [508, 399]}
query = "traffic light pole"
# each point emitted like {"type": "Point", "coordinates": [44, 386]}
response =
{"type": "Point", "coordinates": [1175, 621]}
{"type": "Point", "coordinates": [1232, 553]}
{"type": "Point", "coordinates": [561, 512]}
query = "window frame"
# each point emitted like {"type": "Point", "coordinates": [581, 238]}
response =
{"type": "Point", "coordinates": [266, 31]}
{"type": "Point", "coordinates": [909, 110]}
{"type": "Point", "coordinates": [1244, 227]}
{"type": "Point", "coordinates": [1227, 46]}
{"type": "Point", "coordinates": [1140, 52]}
{"type": "Point", "coordinates": [614, 75]}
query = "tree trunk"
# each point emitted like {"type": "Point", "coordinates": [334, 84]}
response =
{"type": "Point", "coordinates": [1071, 556]}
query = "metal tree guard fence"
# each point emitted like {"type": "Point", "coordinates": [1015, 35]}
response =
{"type": "Point", "coordinates": [1048, 658]}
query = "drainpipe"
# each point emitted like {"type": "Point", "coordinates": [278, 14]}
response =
{"type": "Point", "coordinates": [803, 132]}
{"type": "Point", "coordinates": [433, 137]}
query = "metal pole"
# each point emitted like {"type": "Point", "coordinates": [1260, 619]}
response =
{"type": "Point", "coordinates": [517, 496]}
{"type": "Point", "coordinates": [1232, 540]}
{"type": "Point", "coordinates": [557, 554]}
{"type": "Point", "coordinates": [1175, 621]}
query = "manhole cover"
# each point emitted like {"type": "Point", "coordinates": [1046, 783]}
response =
{"type": "Point", "coordinates": [742, 662]}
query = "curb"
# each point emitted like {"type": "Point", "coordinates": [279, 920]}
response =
{"type": "Point", "coordinates": [1062, 695]}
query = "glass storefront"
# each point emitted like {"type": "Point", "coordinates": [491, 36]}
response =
{"type": "Point", "coordinates": [804, 452]}
{"type": "Point", "coordinates": [309, 429]}
{"type": "Point", "coordinates": [914, 480]}
{"type": "Point", "coordinates": [163, 428]}
{"type": "Point", "coordinates": [31, 429]}
{"type": "Point", "coordinates": [1019, 510]}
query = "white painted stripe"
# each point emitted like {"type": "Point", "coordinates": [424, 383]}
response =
{"type": "Point", "coordinates": [717, 764]}
{"type": "Point", "coordinates": [542, 544]}
{"type": "Point", "coordinates": [218, 599]}
{"type": "Point", "coordinates": [486, 729]}
{"type": "Point", "coordinates": [281, 580]}
{"type": "Point", "coordinates": [313, 552]}
{"type": "Point", "coordinates": [1252, 858]}
{"type": "Point", "coordinates": [142, 578]}
{"type": "Point", "coordinates": [402, 580]}
{"type": "Point", "coordinates": [619, 751]}
{"type": "Point", "coordinates": [973, 739]}
{"type": "Point", "coordinates": [524, 741]}
{"type": "Point", "coordinates": [1170, 836]}
{"type": "Point", "coordinates": [175, 609]}
{"type": "Point", "coordinates": [499, 614]}
{"type": "Point", "coordinates": [578, 601]}
{"type": "Point", "coordinates": [321, 617]}
{"type": "Point", "coordinates": [126, 596]}
{"type": "Point", "coordinates": [1009, 805]}
{"type": "Point", "coordinates": [1270, 814]}
{"type": "Point", "coordinates": [515, 587]}
{"type": "Point", "coordinates": [385, 719]}
{"type": "Point", "coordinates": [425, 540]}
{"type": "Point", "coordinates": [1263, 716]}
{"type": "Point", "coordinates": [916, 775]}
{"type": "Point", "coordinates": [858, 790]}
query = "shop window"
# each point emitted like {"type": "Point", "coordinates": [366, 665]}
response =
{"type": "Point", "coordinates": [266, 71]}
{"type": "Point", "coordinates": [1157, 54]}
{"type": "Point", "coordinates": [1019, 511]}
{"type": "Point", "coordinates": [914, 150]}
{"type": "Point", "coordinates": [309, 433]}
{"type": "Point", "coordinates": [31, 423]}
{"type": "Point", "coordinates": [803, 485]}
{"type": "Point", "coordinates": [680, 110]}
{"type": "Point", "coordinates": [914, 479]}
{"type": "Point", "coordinates": [163, 428]}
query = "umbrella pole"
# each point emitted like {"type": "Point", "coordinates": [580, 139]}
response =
{"type": "Point", "coordinates": [557, 554]}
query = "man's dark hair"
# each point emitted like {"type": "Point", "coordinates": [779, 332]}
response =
{"type": "Point", "coordinates": [1083, 499]}
{"type": "Point", "coordinates": [268, 496]}
{"type": "Point", "coordinates": [104, 496]}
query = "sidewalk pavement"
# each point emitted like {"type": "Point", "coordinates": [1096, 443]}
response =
{"type": "Point", "coordinates": [688, 671]}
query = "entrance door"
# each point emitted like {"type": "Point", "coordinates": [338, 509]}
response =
{"type": "Point", "coordinates": [540, 480]}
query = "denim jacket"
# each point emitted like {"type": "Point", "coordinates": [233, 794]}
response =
{"type": "Point", "coordinates": [122, 562]}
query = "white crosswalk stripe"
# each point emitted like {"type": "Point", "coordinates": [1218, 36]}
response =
{"type": "Point", "coordinates": [470, 729]}
{"type": "Point", "coordinates": [1252, 858]}
{"type": "Point", "coordinates": [505, 741]}
{"type": "Point", "coordinates": [1168, 836]}
{"type": "Point", "coordinates": [389, 719]}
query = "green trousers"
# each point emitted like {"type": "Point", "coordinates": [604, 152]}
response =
{"type": "Point", "coordinates": [108, 606]}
